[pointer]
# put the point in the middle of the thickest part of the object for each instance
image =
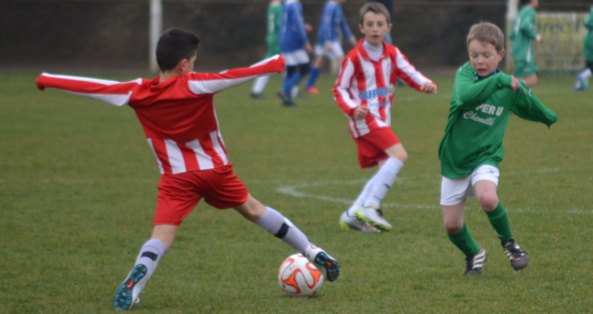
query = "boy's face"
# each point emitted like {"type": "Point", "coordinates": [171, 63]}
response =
{"type": "Point", "coordinates": [483, 57]}
{"type": "Point", "coordinates": [374, 27]}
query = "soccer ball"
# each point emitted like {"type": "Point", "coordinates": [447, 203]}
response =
{"type": "Point", "coordinates": [298, 277]}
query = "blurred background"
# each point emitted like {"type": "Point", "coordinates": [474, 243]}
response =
{"type": "Point", "coordinates": [113, 35]}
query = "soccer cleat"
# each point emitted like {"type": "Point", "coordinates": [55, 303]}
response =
{"type": "Point", "coordinates": [312, 90]}
{"type": "Point", "coordinates": [327, 265]}
{"type": "Point", "coordinates": [286, 100]}
{"type": "Point", "coordinates": [516, 255]}
{"type": "Point", "coordinates": [127, 293]}
{"type": "Point", "coordinates": [256, 95]}
{"type": "Point", "coordinates": [474, 264]}
{"type": "Point", "coordinates": [374, 217]}
{"type": "Point", "coordinates": [351, 223]}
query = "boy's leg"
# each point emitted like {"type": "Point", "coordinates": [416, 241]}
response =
{"type": "Point", "coordinates": [486, 193]}
{"type": "Point", "coordinates": [279, 226]}
{"type": "Point", "coordinates": [315, 71]}
{"type": "Point", "coordinates": [259, 85]}
{"type": "Point", "coordinates": [383, 181]}
{"type": "Point", "coordinates": [582, 78]}
{"type": "Point", "coordinates": [348, 218]}
{"type": "Point", "coordinates": [148, 259]}
{"type": "Point", "coordinates": [286, 93]}
{"type": "Point", "coordinates": [500, 222]}
{"type": "Point", "coordinates": [364, 194]}
{"type": "Point", "coordinates": [389, 168]}
{"type": "Point", "coordinates": [453, 195]}
{"type": "Point", "coordinates": [475, 256]}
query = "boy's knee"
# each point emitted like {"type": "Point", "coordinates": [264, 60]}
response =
{"type": "Point", "coordinates": [488, 202]}
{"type": "Point", "coordinates": [252, 209]}
{"type": "Point", "coordinates": [453, 227]}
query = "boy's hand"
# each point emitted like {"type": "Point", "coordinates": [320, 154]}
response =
{"type": "Point", "coordinates": [429, 88]}
{"type": "Point", "coordinates": [360, 112]}
{"type": "Point", "coordinates": [515, 84]}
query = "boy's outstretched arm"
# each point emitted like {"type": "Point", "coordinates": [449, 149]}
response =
{"type": "Point", "coordinates": [211, 83]}
{"type": "Point", "coordinates": [112, 92]}
{"type": "Point", "coordinates": [527, 106]}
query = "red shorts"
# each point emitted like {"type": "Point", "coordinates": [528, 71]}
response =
{"type": "Point", "coordinates": [372, 146]}
{"type": "Point", "coordinates": [180, 193]}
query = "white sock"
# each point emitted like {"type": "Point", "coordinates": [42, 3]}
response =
{"type": "Point", "coordinates": [260, 84]}
{"type": "Point", "coordinates": [150, 255]}
{"type": "Point", "coordinates": [273, 222]}
{"type": "Point", "coordinates": [364, 194]}
{"type": "Point", "coordinates": [383, 181]}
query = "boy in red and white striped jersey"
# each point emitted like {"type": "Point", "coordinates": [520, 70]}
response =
{"type": "Point", "coordinates": [177, 114]}
{"type": "Point", "coordinates": [364, 91]}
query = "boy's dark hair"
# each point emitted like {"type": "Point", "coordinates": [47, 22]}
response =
{"type": "Point", "coordinates": [487, 33]}
{"type": "Point", "coordinates": [524, 2]}
{"type": "Point", "coordinates": [175, 45]}
{"type": "Point", "coordinates": [375, 7]}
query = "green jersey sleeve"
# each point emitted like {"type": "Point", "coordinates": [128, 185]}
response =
{"type": "Point", "coordinates": [469, 92]}
{"type": "Point", "coordinates": [527, 106]}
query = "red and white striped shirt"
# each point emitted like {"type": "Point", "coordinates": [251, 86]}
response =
{"type": "Point", "coordinates": [177, 115]}
{"type": "Point", "coordinates": [366, 82]}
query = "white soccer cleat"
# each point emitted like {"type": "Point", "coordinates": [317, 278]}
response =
{"type": "Point", "coordinates": [352, 223]}
{"type": "Point", "coordinates": [374, 217]}
{"type": "Point", "coordinates": [327, 265]}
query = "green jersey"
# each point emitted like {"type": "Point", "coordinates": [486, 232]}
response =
{"type": "Point", "coordinates": [274, 21]}
{"type": "Point", "coordinates": [479, 114]}
{"type": "Point", "coordinates": [522, 35]}
{"type": "Point", "coordinates": [588, 45]}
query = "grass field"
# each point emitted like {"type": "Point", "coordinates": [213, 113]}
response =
{"type": "Point", "coordinates": [78, 190]}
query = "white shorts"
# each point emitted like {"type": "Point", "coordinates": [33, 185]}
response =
{"type": "Point", "coordinates": [336, 52]}
{"type": "Point", "coordinates": [296, 57]}
{"type": "Point", "coordinates": [455, 191]}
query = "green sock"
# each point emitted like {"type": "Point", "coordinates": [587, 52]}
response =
{"type": "Point", "coordinates": [464, 241]}
{"type": "Point", "coordinates": [500, 221]}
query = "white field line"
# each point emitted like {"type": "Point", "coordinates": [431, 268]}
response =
{"type": "Point", "coordinates": [299, 191]}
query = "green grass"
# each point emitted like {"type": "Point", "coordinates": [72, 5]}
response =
{"type": "Point", "coordinates": [78, 190]}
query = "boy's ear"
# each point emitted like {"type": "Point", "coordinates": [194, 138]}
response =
{"type": "Point", "coordinates": [181, 66]}
{"type": "Point", "coordinates": [502, 53]}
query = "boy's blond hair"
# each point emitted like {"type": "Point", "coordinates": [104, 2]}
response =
{"type": "Point", "coordinates": [375, 7]}
{"type": "Point", "coordinates": [487, 33]}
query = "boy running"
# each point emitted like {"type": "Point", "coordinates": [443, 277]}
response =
{"type": "Point", "coordinates": [328, 40]}
{"type": "Point", "coordinates": [177, 114]}
{"type": "Point", "coordinates": [273, 23]}
{"type": "Point", "coordinates": [523, 34]}
{"type": "Point", "coordinates": [472, 148]}
{"type": "Point", "coordinates": [364, 91]}
{"type": "Point", "coordinates": [295, 48]}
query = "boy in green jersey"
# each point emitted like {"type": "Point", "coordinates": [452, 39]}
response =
{"type": "Point", "coordinates": [523, 34]}
{"type": "Point", "coordinates": [273, 23]}
{"type": "Point", "coordinates": [482, 102]}
{"type": "Point", "coordinates": [584, 75]}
